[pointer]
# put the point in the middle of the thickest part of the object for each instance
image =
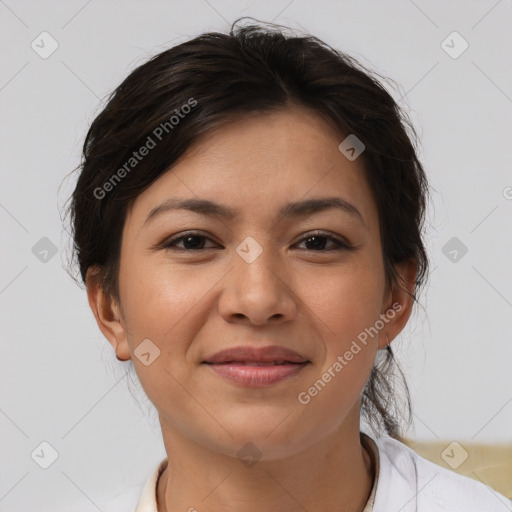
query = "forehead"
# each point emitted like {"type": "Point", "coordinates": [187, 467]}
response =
{"type": "Point", "coordinates": [257, 164]}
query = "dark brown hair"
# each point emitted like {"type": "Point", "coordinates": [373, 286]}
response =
{"type": "Point", "coordinates": [215, 78]}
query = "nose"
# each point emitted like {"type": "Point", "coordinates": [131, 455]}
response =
{"type": "Point", "coordinates": [257, 292]}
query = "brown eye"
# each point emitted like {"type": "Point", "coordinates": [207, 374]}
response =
{"type": "Point", "coordinates": [191, 242]}
{"type": "Point", "coordinates": [318, 242]}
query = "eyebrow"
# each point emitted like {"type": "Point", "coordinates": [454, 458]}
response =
{"type": "Point", "coordinates": [289, 210]}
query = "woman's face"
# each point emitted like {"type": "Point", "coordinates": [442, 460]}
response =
{"type": "Point", "coordinates": [254, 280]}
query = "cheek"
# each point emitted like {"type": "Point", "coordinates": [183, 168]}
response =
{"type": "Point", "coordinates": [163, 305]}
{"type": "Point", "coordinates": [346, 308]}
{"type": "Point", "coordinates": [168, 305]}
{"type": "Point", "coordinates": [156, 296]}
{"type": "Point", "coordinates": [346, 300]}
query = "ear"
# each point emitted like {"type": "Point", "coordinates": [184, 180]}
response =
{"type": "Point", "coordinates": [108, 314]}
{"type": "Point", "coordinates": [398, 302]}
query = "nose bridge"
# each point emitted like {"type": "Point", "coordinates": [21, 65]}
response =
{"type": "Point", "coordinates": [257, 289]}
{"type": "Point", "coordinates": [257, 261]}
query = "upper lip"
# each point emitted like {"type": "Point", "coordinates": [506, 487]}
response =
{"type": "Point", "coordinates": [248, 353]}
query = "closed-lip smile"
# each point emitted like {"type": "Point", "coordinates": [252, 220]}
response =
{"type": "Point", "coordinates": [270, 353]}
{"type": "Point", "coordinates": [256, 366]}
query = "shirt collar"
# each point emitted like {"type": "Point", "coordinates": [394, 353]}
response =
{"type": "Point", "coordinates": [148, 501]}
{"type": "Point", "coordinates": [148, 498]}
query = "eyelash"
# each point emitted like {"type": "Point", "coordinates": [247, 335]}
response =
{"type": "Point", "coordinates": [340, 245]}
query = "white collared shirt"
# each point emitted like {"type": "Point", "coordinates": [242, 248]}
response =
{"type": "Point", "coordinates": [405, 482]}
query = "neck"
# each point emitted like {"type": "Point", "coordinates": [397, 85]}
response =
{"type": "Point", "coordinates": [333, 474]}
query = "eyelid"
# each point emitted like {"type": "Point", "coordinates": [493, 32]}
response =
{"type": "Point", "coordinates": [341, 244]}
{"type": "Point", "coordinates": [166, 244]}
{"type": "Point", "coordinates": [339, 241]}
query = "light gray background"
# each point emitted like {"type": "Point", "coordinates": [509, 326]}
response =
{"type": "Point", "coordinates": [60, 381]}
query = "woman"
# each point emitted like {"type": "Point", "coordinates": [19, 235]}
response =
{"type": "Point", "coordinates": [248, 223]}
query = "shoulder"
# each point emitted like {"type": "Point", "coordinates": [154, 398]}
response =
{"type": "Point", "coordinates": [136, 498]}
{"type": "Point", "coordinates": [410, 483]}
{"type": "Point", "coordinates": [123, 502]}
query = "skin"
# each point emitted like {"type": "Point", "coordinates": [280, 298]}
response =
{"type": "Point", "coordinates": [313, 300]}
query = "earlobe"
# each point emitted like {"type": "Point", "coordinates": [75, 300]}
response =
{"type": "Point", "coordinates": [399, 303]}
{"type": "Point", "coordinates": [107, 314]}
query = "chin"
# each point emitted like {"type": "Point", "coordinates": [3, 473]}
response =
{"type": "Point", "coordinates": [263, 439]}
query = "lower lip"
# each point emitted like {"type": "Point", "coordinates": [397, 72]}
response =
{"type": "Point", "coordinates": [256, 376]}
